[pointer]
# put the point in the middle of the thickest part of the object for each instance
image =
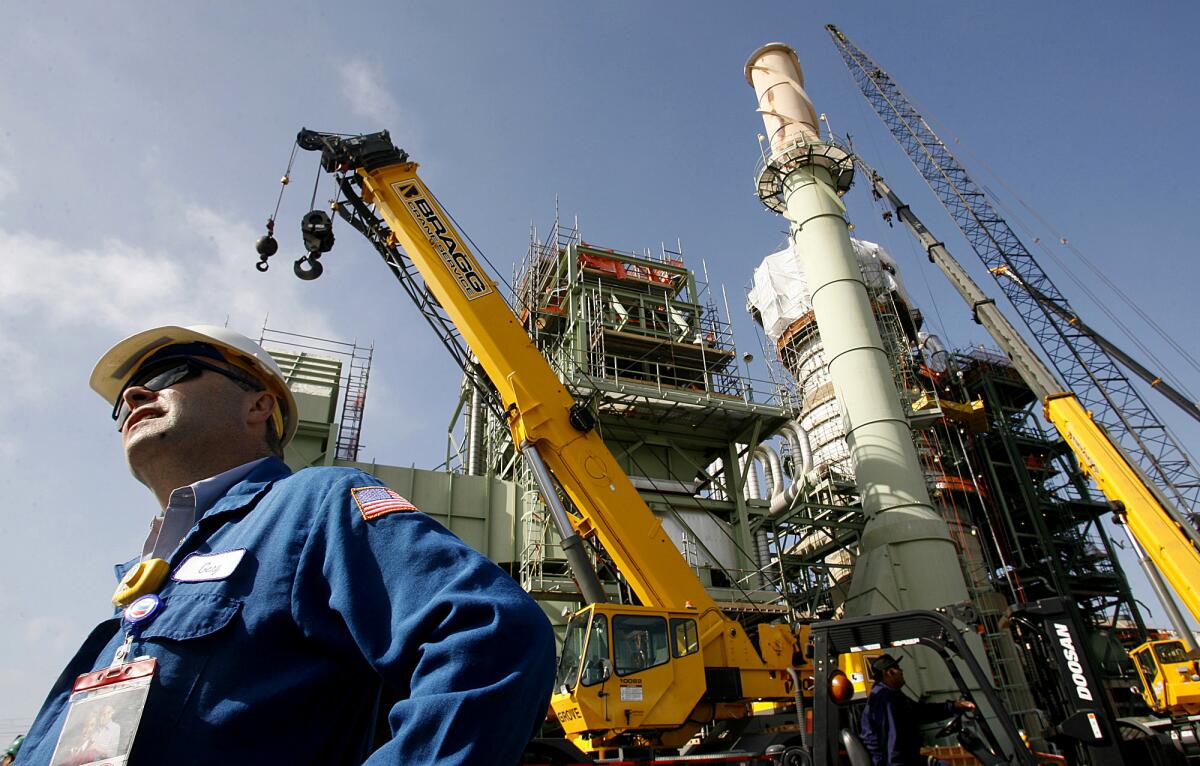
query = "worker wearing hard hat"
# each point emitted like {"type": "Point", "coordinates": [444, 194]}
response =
{"type": "Point", "coordinates": [891, 721]}
{"type": "Point", "coordinates": [270, 613]}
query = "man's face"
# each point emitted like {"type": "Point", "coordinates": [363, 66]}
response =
{"type": "Point", "coordinates": [893, 677]}
{"type": "Point", "coordinates": [202, 412]}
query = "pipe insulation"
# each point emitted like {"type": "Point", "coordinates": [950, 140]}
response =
{"type": "Point", "coordinates": [772, 468]}
{"type": "Point", "coordinates": [797, 437]}
{"type": "Point", "coordinates": [475, 429]}
{"type": "Point", "coordinates": [768, 458]}
{"type": "Point", "coordinates": [752, 489]}
{"type": "Point", "coordinates": [716, 486]}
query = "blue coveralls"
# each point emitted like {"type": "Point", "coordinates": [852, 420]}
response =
{"type": "Point", "coordinates": [282, 660]}
{"type": "Point", "coordinates": [891, 724]}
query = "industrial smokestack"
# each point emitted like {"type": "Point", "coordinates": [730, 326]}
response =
{"type": "Point", "coordinates": [907, 559]}
{"type": "Point", "coordinates": [788, 114]}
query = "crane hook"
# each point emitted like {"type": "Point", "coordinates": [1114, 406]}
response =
{"type": "Point", "coordinates": [308, 267]}
{"type": "Point", "coordinates": [266, 246]}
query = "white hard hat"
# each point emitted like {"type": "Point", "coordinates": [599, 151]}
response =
{"type": "Point", "coordinates": [114, 369]}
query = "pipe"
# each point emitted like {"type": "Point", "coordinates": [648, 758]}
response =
{"type": "Point", "coordinates": [753, 488]}
{"type": "Point", "coordinates": [475, 452]}
{"type": "Point", "coordinates": [772, 467]}
{"type": "Point", "coordinates": [762, 552]}
{"type": "Point", "coordinates": [907, 559]}
{"type": "Point", "coordinates": [797, 436]}
{"type": "Point", "coordinates": [712, 470]}
{"type": "Point", "coordinates": [772, 470]}
{"type": "Point", "coordinates": [572, 545]}
{"type": "Point", "coordinates": [935, 353]}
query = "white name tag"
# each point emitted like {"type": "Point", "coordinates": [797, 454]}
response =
{"type": "Point", "coordinates": [211, 566]}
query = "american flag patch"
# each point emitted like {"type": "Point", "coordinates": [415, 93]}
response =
{"type": "Point", "coordinates": [374, 502]}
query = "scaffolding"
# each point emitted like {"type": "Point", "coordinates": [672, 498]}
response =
{"type": "Point", "coordinates": [636, 337]}
{"type": "Point", "coordinates": [297, 353]}
{"type": "Point", "coordinates": [1048, 522]}
{"type": "Point", "coordinates": [602, 314]}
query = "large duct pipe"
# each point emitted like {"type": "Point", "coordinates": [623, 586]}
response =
{"type": "Point", "coordinates": [772, 472]}
{"type": "Point", "coordinates": [772, 468]}
{"type": "Point", "coordinates": [713, 470]}
{"type": "Point", "coordinates": [752, 490]}
{"type": "Point", "coordinates": [762, 552]}
{"type": "Point", "coordinates": [797, 437]}
{"type": "Point", "coordinates": [935, 353]}
{"type": "Point", "coordinates": [907, 559]}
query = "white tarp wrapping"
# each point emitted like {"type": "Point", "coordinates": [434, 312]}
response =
{"type": "Point", "coordinates": [780, 293]}
{"type": "Point", "coordinates": [780, 290]}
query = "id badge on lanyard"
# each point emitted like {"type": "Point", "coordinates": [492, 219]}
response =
{"type": "Point", "coordinates": [106, 705]}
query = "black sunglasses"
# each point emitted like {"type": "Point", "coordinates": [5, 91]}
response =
{"type": "Point", "coordinates": [159, 377]}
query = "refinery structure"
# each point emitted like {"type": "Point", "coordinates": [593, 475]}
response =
{"type": "Point", "coordinates": [878, 472]}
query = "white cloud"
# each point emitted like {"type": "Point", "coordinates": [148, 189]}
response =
{"type": "Point", "coordinates": [56, 299]}
{"type": "Point", "coordinates": [117, 285]}
{"type": "Point", "coordinates": [105, 285]}
{"type": "Point", "coordinates": [364, 89]}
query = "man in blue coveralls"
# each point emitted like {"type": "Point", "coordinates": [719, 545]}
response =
{"type": "Point", "coordinates": [891, 721]}
{"type": "Point", "coordinates": [276, 606]}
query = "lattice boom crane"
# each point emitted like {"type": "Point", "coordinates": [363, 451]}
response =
{"type": "Point", "coordinates": [1086, 367]}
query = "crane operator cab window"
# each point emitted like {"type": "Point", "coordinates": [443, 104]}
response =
{"type": "Point", "coordinates": [1171, 652]}
{"type": "Point", "coordinates": [1146, 664]}
{"type": "Point", "coordinates": [585, 645]}
{"type": "Point", "coordinates": [685, 639]}
{"type": "Point", "coordinates": [639, 642]}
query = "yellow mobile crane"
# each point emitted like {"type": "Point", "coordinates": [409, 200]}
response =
{"type": "Point", "coordinates": [660, 670]}
{"type": "Point", "coordinates": [647, 676]}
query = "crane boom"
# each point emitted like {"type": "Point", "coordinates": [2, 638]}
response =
{"type": "Point", "coordinates": [1086, 367]}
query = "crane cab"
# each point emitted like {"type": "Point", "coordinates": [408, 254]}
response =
{"type": "Point", "coordinates": [629, 668]}
{"type": "Point", "coordinates": [1170, 677]}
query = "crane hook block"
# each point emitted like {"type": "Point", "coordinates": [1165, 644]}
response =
{"type": "Point", "coordinates": [266, 246]}
{"type": "Point", "coordinates": [308, 267]}
{"type": "Point", "coordinates": [317, 230]}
